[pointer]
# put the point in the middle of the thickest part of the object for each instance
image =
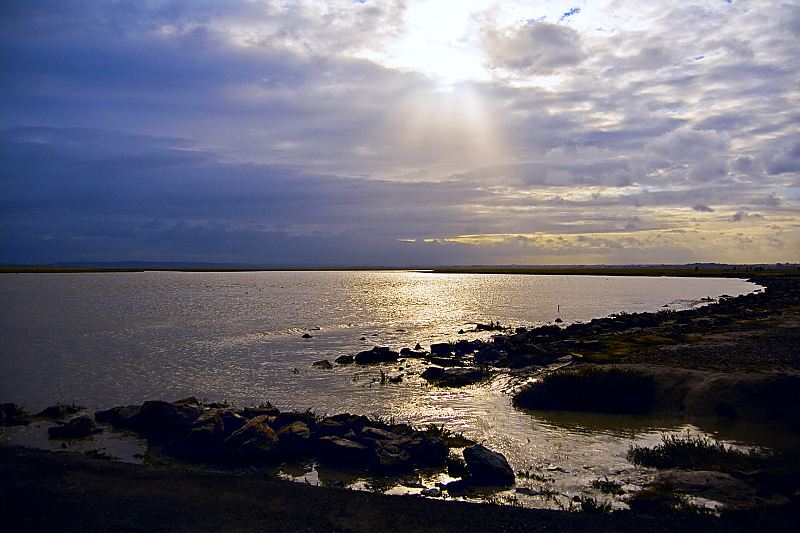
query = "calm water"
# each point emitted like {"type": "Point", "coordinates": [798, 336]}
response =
{"type": "Point", "coordinates": [108, 339]}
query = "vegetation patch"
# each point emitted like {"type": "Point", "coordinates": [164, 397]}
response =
{"type": "Point", "coordinates": [697, 453]}
{"type": "Point", "coordinates": [661, 498]}
{"type": "Point", "coordinates": [602, 390]}
{"type": "Point", "coordinates": [608, 487]}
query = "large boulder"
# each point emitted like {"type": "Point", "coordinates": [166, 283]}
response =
{"type": "Point", "coordinates": [378, 354]}
{"type": "Point", "coordinates": [207, 436]}
{"type": "Point", "coordinates": [77, 428]}
{"type": "Point", "coordinates": [159, 418]}
{"type": "Point", "coordinates": [485, 467]}
{"type": "Point", "coordinates": [255, 440]}
{"type": "Point", "coordinates": [121, 416]}
{"type": "Point", "coordinates": [453, 377]}
{"type": "Point", "coordinates": [295, 438]}
{"type": "Point", "coordinates": [60, 411]}
{"type": "Point", "coordinates": [340, 451]}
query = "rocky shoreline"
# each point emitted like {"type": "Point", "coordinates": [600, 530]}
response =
{"type": "Point", "coordinates": [733, 360]}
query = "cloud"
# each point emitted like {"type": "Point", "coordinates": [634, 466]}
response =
{"type": "Point", "coordinates": [539, 48]}
{"type": "Point", "coordinates": [165, 129]}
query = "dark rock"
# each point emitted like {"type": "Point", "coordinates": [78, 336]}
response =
{"type": "Point", "coordinates": [432, 493]}
{"type": "Point", "coordinates": [323, 364]}
{"type": "Point", "coordinates": [158, 418]}
{"type": "Point", "coordinates": [391, 455]}
{"type": "Point", "coordinates": [405, 351]}
{"type": "Point", "coordinates": [446, 361]}
{"type": "Point", "coordinates": [485, 467]}
{"type": "Point", "coordinates": [341, 451]}
{"type": "Point", "coordinates": [453, 377]}
{"type": "Point", "coordinates": [418, 347]}
{"type": "Point", "coordinates": [13, 415]}
{"type": "Point", "coordinates": [289, 417]}
{"type": "Point", "coordinates": [60, 410]}
{"type": "Point", "coordinates": [255, 440]}
{"type": "Point", "coordinates": [121, 416]}
{"type": "Point", "coordinates": [262, 410]}
{"type": "Point", "coordinates": [395, 379]}
{"type": "Point", "coordinates": [294, 440]}
{"type": "Point", "coordinates": [433, 373]}
{"type": "Point", "coordinates": [77, 428]}
{"type": "Point", "coordinates": [345, 360]}
{"type": "Point", "coordinates": [461, 332]}
{"type": "Point", "coordinates": [558, 321]}
{"type": "Point", "coordinates": [296, 433]}
{"type": "Point", "coordinates": [442, 349]}
{"type": "Point", "coordinates": [306, 336]}
{"type": "Point", "coordinates": [378, 354]}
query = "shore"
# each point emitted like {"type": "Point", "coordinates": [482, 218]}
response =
{"type": "Point", "coordinates": [44, 491]}
{"type": "Point", "coordinates": [714, 362]}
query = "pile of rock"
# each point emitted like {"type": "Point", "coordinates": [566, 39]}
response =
{"type": "Point", "coordinates": [217, 433]}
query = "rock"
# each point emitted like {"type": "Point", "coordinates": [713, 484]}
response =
{"type": "Point", "coordinates": [485, 467]}
{"type": "Point", "coordinates": [461, 332]}
{"type": "Point", "coordinates": [121, 416]}
{"type": "Point", "coordinates": [204, 441]}
{"type": "Point", "coordinates": [60, 410]}
{"type": "Point", "coordinates": [306, 336]}
{"type": "Point", "coordinates": [294, 440]}
{"type": "Point", "coordinates": [418, 347]}
{"type": "Point", "coordinates": [13, 415]}
{"type": "Point", "coordinates": [323, 364]}
{"type": "Point", "coordinates": [159, 418]}
{"type": "Point", "coordinates": [395, 379]}
{"type": "Point", "coordinates": [442, 349]}
{"type": "Point", "coordinates": [345, 360]}
{"type": "Point", "coordinates": [77, 428]}
{"type": "Point", "coordinates": [454, 377]}
{"type": "Point", "coordinates": [295, 432]}
{"type": "Point", "coordinates": [262, 410]}
{"type": "Point", "coordinates": [378, 354]}
{"type": "Point", "coordinates": [558, 321]}
{"type": "Point", "coordinates": [432, 493]}
{"type": "Point", "coordinates": [289, 417]}
{"type": "Point", "coordinates": [446, 361]}
{"type": "Point", "coordinates": [433, 373]}
{"type": "Point", "coordinates": [254, 440]}
{"type": "Point", "coordinates": [341, 451]}
{"type": "Point", "coordinates": [390, 455]}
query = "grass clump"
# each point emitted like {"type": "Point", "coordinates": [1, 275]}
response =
{"type": "Point", "coordinates": [602, 390]}
{"type": "Point", "coordinates": [591, 505]}
{"type": "Point", "coordinates": [450, 439]}
{"type": "Point", "coordinates": [697, 453]}
{"type": "Point", "coordinates": [608, 487]}
{"type": "Point", "coordinates": [662, 498]}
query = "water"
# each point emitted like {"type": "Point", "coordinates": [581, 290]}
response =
{"type": "Point", "coordinates": [118, 338]}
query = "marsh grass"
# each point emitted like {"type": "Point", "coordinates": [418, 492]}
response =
{"type": "Point", "coordinates": [603, 390]}
{"type": "Point", "coordinates": [607, 486]}
{"type": "Point", "coordinates": [697, 453]}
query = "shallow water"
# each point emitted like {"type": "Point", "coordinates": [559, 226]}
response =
{"type": "Point", "coordinates": [117, 338]}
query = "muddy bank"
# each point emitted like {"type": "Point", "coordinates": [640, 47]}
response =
{"type": "Point", "coordinates": [83, 494]}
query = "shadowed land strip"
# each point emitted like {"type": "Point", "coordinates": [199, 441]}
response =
{"type": "Point", "coordinates": [85, 494]}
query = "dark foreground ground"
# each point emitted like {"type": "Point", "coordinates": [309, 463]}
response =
{"type": "Point", "coordinates": [42, 491]}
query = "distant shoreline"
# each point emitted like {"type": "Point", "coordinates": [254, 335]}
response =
{"type": "Point", "coordinates": [689, 270]}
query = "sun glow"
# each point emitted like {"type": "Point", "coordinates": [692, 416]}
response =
{"type": "Point", "coordinates": [440, 40]}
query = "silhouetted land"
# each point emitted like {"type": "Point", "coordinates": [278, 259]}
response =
{"type": "Point", "coordinates": [44, 491]}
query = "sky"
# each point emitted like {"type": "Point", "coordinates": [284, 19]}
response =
{"type": "Point", "coordinates": [400, 133]}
